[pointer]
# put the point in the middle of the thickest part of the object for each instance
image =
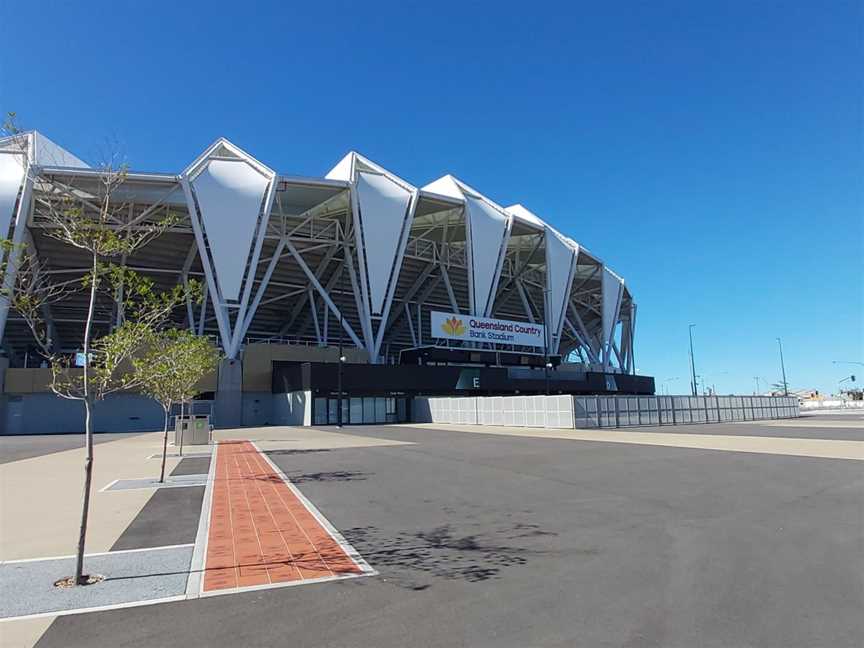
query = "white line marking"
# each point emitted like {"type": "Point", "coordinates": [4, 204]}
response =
{"type": "Point", "coordinates": [105, 488]}
{"type": "Point", "coordinates": [100, 553]}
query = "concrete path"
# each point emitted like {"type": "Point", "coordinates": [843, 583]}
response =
{"type": "Point", "coordinates": [41, 479]}
{"type": "Point", "coordinates": [40, 503]}
{"type": "Point", "coordinates": [798, 447]}
{"type": "Point", "coordinates": [40, 497]}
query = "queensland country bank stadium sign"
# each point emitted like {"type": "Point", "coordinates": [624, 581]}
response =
{"type": "Point", "coordinates": [483, 329]}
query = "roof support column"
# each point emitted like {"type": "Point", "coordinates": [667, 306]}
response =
{"type": "Point", "coordinates": [20, 217]}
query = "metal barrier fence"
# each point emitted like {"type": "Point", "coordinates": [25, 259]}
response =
{"type": "Point", "coordinates": [600, 411]}
{"type": "Point", "coordinates": [626, 411]}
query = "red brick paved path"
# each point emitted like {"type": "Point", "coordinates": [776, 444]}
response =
{"type": "Point", "coordinates": [260, 532]}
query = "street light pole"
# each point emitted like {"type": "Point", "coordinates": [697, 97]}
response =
{"type": "Point", "coordinates": [756, 378]}
{"type": "Point", "coordinates": [783, 369]}
{"type": "Point", "coordinates": [692, 361]}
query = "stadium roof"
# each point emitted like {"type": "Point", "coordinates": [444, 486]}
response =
{"type": "Point", "coordinates": [271, 249]}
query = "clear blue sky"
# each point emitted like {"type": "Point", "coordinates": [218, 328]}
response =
{"type": "Point", "coordinates": [711, 153]}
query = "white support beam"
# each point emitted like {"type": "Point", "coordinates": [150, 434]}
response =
{"type": "Point", "coordinates": [243, 325]}
{"type": "Point", "coordinates": [203, 314]}
{"type": "Point", "coordinates": [450, 294]}
{"type": "Point", "coordinates": [394, 278]}
{"type": "Point", "coordinates": [591, 348]}
{"type": "Point", "coordinates": [326, 326]}
{"type": "Point", "coordinates": [360, 301]}
{"type": "Point", "coordinates": [410, 324]}
{"type": "Point", "coordinates": [314, 310]}
{"type": "Point", "coordinates": [524, 298]}
{"type": "Point", "coordinates": [323, 294]}
{"type": "Point", "coordinates": [301, 303]}
{"type": "Point", "coordinates": [20, 225]}
{"type": "Point", "coordinates": [218, 308]}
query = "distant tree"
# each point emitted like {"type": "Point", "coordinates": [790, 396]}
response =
{"type": "Point", "coordinates": [170, 370]}
{"type": "Point", "coordinates": [102, 227]}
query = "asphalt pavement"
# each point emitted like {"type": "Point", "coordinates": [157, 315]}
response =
{"type": "Point", "coordinates": [489, 540]}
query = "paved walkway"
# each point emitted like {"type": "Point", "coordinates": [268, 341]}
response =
{"type": "Point", "coordinates": [261, 533]}
{"type": "Point", "coordinates": [709, 440]}
{"type": "Point", "coordinates": [40, 492]}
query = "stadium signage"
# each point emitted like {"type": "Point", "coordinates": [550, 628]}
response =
{"type": "Point", "coordinates": [453, 326]}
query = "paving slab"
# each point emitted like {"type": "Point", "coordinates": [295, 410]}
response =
{"type": "Point", "coordinates": [170, 517]}
{"type": "Point", "coordinates": [17, 447]}
{"type": "Point", "coordinates": [179, 481]}
{"type": "Point", "coordinates": [131, 577]}
{"type": "Point", "coordinates": [40, 497]}
{"type": "Point", "coordinates": [192, 466]}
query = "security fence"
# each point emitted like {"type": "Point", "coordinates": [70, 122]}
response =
{"type": "Point", "coordinates": [626, 411]}
{"type": "Point", "coordinates": [600, 411]}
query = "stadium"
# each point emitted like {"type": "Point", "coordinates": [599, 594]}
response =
{"type": "Point", "coordinates": [431, 290]}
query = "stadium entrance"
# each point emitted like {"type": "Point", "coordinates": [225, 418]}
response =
{"type": "Point", "coordinates": [361, 410]}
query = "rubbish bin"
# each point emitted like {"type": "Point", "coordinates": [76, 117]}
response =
{"type": "Point", "coordinates": [200, 430]}
{"type": "Point", "coordinates": [195, 430]}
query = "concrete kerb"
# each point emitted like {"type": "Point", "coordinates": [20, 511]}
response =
{"type": "Point", "coordinates": [195, 582]}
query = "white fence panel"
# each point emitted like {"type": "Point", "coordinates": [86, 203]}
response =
{"type": "Point", "coordinates": [565, 411]}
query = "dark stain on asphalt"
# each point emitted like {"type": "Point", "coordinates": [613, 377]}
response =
{"type": "Point", "coordinates": [333, 476]}
{"type": "Point", "coordinates": [438, 552]}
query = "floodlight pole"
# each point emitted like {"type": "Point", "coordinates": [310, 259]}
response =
{"type": "Point", "coordinates": [692, 361]}
{"type": "Point", "coordinates": [783, 369]}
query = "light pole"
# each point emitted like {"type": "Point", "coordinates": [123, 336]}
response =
{"type": "Point", "coordinates": [756, 378]}
{"type": "Point", "coordinates": [692, 361]}
{"type": "Point", "coordinates": [341, 357]}
{"type": "Point", "coordinates": [783, 369]}
{"type": "Point", "coordinates": [860, 364]}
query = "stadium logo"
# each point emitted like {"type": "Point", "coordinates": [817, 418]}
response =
{"type": "Point", "coordinates": [453, 326]}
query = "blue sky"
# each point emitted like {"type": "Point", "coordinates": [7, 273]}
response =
{"type": "Point", "coordinates": [711, 153]}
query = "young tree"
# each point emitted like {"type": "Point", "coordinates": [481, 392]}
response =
{"type": "Point", "coordinates": [102, 227]}
{"type": "Point", "coordinates": [170, 369]}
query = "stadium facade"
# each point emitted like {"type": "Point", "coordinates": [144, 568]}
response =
{"type": "Point", "coordinates": [429, 290]}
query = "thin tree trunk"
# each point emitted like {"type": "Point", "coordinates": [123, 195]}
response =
{"type": "Point", "coordinates": [182, 427]}
{"type": "Point", "coordinates": [164, 445]}
{"type": "Point", "coordinates": [88, 435]}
